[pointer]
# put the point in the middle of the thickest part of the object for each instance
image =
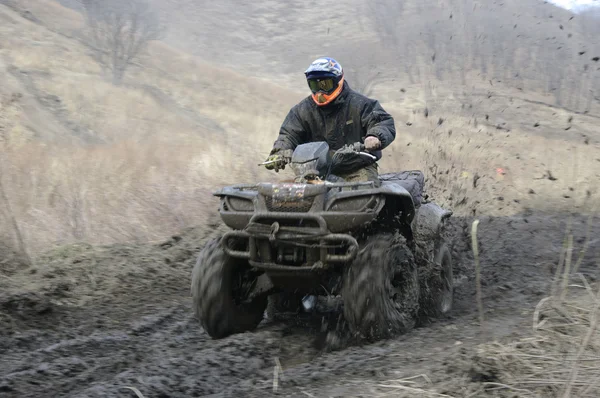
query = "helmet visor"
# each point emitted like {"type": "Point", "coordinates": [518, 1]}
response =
{"type": "Point", "coordinates": [326, 85]}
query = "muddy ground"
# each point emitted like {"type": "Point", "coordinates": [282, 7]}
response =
{"type": "Point", "coordinates": [89, 321]}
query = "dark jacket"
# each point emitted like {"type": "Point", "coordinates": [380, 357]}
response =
{"type": "Point", "coordinates": [348, 119]}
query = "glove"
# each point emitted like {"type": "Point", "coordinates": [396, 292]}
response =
{"type": "Point", "coordinates": [278, 160]}
{"type": "Point", "coordinates": [372, 143]}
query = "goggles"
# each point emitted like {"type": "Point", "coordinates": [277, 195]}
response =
{"type": "Point", "coordinates": [326, 85]}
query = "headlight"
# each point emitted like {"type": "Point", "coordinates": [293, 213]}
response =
{"type": "Point", "coordinates": [238, 204]}
{"type": "Point", "coordinates": [360, 203]}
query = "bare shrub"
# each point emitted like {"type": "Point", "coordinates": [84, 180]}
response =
{"type": "Point", "coordinates": [10, 219]}
{"type": "Point", "coordinates": [119, 32]}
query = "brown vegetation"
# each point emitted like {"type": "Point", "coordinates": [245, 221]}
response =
{"type": "Point", "coordinates": [154, 147]}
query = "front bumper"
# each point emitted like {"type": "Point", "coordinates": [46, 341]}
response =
{"type": "Point", "coordinates": [283, 228]}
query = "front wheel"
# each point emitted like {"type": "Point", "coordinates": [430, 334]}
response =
{"type": "Point", "coordinates": [381, 289]}
{"type": "Point", "coordinates": [220, 286]}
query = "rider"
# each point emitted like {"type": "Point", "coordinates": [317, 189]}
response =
{"type": "Point", "coordinates": [338, 115]}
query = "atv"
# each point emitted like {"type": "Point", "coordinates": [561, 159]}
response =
{"type": "Point", "coordinates": [379, 246]}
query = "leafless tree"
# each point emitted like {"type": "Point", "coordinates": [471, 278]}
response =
{"type": "Point", "coordinates": [119, 32]}
{"type": "Point", "coordinates": [12, 221]}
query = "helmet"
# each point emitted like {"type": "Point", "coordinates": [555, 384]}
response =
{"type": "Point", "coordinates": [325, 78]}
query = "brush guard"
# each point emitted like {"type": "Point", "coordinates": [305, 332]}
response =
{"type": "Point", "coordinates": [268, 226]}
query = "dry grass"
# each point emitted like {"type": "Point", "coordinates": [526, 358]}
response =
{"type": "Point", "coordinates": [159, 161]}
{"type": "Point", "coordinates": [137, 392]}
{"type": "Point", "coordinates": [180, 127]}
{"type": "Point", "coordinates": [415, 386]}
{"type": "Point", "coordinates": [146, 187]}
{"type": "Point", "coordinates": [560, 358]}
{"type": "Point", "coordinates": [123, 192]}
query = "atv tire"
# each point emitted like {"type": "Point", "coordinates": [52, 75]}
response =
{"type": "Point", "coordinates": [381, 289]}
{"type": "Point", "coordinates": [440, 296]}
{"type": "Point", "coordinates": [217, 286]}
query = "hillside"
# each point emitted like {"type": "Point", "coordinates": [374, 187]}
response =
{"type": "Point", "coordinates": [195, 111]}
{"type": "Point", "coordinates": [470, 39]}
{"type": "Point", "coordinates": [62, 112]}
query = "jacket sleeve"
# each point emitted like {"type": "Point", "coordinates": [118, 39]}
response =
{"type": "Point", "coordinates": [291, 133]}
{"type": "Point", "coordinates": [378, 123]}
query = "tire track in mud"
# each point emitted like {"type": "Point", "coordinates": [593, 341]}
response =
{"type": "Point", "coordinates": [152, 342]}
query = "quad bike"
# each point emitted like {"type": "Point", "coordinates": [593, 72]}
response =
{"type": "Point", "coordinates": [378, 246]}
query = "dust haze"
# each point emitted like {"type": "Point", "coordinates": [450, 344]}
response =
{"type": "Point", "coordinates": [118, 119]}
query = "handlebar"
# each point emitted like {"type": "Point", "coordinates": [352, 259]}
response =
{"type": "Point", "coordinates": [361, 149]}
{"type": "Point", "coordinates": [357, 147]}
{"type": "Point", "coordinates": [266, 163]}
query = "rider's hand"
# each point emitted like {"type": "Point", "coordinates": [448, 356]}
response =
{"type": "Point", "coordinates": [372, 143]}
{"type": "Point", "coordinates": [276, 163]}
{"type": "Point", "coordinates": [278, 160]}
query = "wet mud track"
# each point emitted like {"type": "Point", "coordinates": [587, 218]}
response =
{"type": "Point", "coordinates": [142, 332]}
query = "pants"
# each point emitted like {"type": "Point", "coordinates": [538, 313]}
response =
{"type": "Point", "coordinates": [368, 173]}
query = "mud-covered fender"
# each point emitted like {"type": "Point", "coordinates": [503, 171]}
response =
{"type": "Point", "coordinates": [400, 193]}
{"type": "Point", "coordinates": [428, 221]}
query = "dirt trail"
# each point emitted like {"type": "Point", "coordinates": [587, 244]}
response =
{"type": "Point", "coordinates": [88, 322]}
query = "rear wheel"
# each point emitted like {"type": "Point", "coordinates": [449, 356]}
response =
{"type": "Point", "coordinates": [381, 289]}
{"type": "Point", "coordinates": [441, 284]}
{"type": "Point", "coordinates": [220, 287]}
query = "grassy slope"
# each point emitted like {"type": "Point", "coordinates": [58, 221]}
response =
{"type": "Point", "coordinates": [168, 134]}
{"type": "Point", "coordinates": [180, 127]}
